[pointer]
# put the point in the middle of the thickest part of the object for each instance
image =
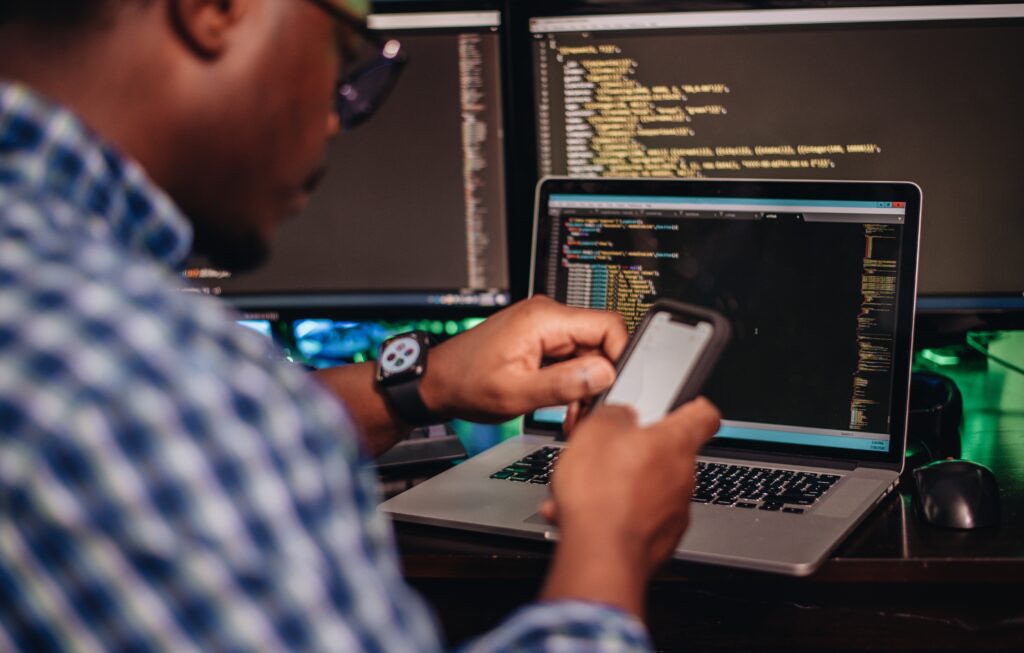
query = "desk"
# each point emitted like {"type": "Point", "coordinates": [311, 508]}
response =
{"type": "Point", "coordinates": [894, 584]}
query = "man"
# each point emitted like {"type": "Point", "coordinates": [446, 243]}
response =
{"type": "Point", "coordinates": [166, 482]}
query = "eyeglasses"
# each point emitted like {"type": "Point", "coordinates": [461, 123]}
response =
{"type": "Point", "coordinates": [371, 67]}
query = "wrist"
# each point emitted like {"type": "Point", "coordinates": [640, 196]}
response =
{"type": "Point", "coordinates": [433, 388]}
{"type": "Point", "coordinates": [599, 570]}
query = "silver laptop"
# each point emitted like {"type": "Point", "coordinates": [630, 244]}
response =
{"type": "Point", "coordinates": [818, 281]}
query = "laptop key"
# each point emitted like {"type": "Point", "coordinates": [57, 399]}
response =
{"type": "Point", "coordinates": [793, 511]}
{"type": "Point", "coordinates": [537, 464]}
{"type": "Point", "coordinates": [799, 501]}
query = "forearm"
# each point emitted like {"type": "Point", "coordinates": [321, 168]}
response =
{"type": "Point", "coordinates": [356, 387]}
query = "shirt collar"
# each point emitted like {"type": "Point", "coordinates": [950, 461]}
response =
{"type": "Point", "coordinates": [46, 150]}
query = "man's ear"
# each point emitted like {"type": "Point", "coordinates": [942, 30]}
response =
{"type": "Point", "coordinates": [206, 25]}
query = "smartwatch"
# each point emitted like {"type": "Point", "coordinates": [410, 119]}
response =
{"type": "Point", "coordinates": [401, 364]}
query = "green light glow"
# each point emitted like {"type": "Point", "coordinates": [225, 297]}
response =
{"type": "Point", "coordinates": [940, 358]}
{"type": "Point", "coordinates": [358, 7]}
{"type": "Point", "coordinates": [511, 428]}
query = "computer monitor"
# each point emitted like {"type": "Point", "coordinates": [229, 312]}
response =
{"type": "Point", "coordinates": [410, 219]}
{"type": "Point", "coordinates": [929, 94]}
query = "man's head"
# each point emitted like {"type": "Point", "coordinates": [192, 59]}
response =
{"type": "Point", "coordinates": [228, 104]}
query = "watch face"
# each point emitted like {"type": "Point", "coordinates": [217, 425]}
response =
{"type": "Point", "coordinates": [399, 355]}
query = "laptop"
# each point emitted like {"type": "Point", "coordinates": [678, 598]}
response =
{"type": "Point", "coordinates": [818, 281]}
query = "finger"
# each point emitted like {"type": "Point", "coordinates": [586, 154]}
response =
{"type": "Point", "coordinates": [696, 421]}
{"type": "Point", "coordinates": [549, 511]}
{"type": "Point", "coordinates": [572, 415]}
{"type": "Point", "coordinates": [618, 416]}
{"type": "Point", "coordinates": [564, 382]}
{"type": "Point", "coordinates": [575, 328]}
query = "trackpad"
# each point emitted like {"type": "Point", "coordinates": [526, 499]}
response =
{"type": "Point", "coordinates": [850, 496]}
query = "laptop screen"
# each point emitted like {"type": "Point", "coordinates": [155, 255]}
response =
{"type": "Point", "coordinates": [811, 287]}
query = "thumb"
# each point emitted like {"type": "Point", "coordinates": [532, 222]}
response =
{"type": "Point", "coordinates": [567, 381]}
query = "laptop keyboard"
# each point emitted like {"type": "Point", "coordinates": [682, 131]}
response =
{"type": "Point", "coordinates": [534, 468]}
{"type": "Point", "coordinates": [748, 488]}
{"type": "Point", "coordinates": [759, 488]}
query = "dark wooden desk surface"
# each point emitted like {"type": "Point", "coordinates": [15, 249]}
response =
{"type": "Point", "coordinates": [895, 584]}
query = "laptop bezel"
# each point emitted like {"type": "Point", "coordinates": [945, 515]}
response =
{"type": "Point", "coordinates": [780, 189]}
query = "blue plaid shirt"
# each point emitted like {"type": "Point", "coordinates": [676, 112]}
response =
{"type": "Point", "coordinates": [167, 482]}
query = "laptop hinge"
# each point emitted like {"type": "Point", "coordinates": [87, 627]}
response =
{"type": "Point", "coordinates": [762, 456]}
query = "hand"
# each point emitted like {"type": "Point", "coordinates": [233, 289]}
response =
{"type": "Point", "coordinates": [494, 372]}
{"type": "Point", "coordinates": [621, 499]}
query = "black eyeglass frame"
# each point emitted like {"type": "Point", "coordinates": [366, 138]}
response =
{"type": "Point", "coordinates": [352, 108]}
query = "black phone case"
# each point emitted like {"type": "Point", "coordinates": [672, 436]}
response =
{"type": "Point", "coordinates": [704, 365]}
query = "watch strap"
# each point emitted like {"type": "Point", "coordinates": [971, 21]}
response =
{"type": "Point", "coordinates": [407, 403]}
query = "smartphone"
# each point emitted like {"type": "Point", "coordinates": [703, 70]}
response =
{"type": "Point", "coordinates": [671, 355]}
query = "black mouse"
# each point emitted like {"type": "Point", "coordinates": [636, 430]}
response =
{"type": "Point", "coordinates": [957, 494]}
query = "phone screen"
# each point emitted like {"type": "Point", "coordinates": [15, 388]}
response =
{"type": "Point", "coordinates": [658, 366]}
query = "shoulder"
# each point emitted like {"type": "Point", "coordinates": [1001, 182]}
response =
{"type": "Point", "coordinates": [114, 333]}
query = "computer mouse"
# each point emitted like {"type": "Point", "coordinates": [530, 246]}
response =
{"type": "Point", "coordinates": [957, 494]}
